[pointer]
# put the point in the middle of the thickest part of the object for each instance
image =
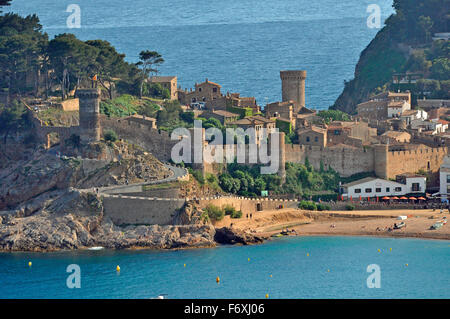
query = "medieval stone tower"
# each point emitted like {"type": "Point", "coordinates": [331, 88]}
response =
{"type": "Point", "coordinates": [293, 86]}
{"type": "Point", "coordinates": [89, 128]}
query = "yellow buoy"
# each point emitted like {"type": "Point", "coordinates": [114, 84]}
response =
{"type": "Point", "coordinates": [270, 276]}
{"type": "Point", "coordinates": [390, 249]}
{"type": "Point", "coordinates": [379, 250]}
{"type": "Point", "coordinates": [267, 296]}
{"type": "Point", "coordinates": [249, 259]}
{"type": "Point", "coordinates": [117, 268]}
{"type": "Point", "coordinates": [217, 279]}
{"type": "Point", "coordinates": [406, 265]}
{"type": "Point", "coordinates": [307, 254]}
{"type": "Point", "coordinates": [184, 265]}
{"type": "Point", "coordinates": [328, 270]}
{"type": "Point", "coordinates": [30, 263]}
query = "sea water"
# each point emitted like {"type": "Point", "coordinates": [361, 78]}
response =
{"type": "Point", "coordinates": [294, 267]}
{"type": "Point", "coordinates": [240, 44]}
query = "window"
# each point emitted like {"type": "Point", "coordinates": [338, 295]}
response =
{"type": "Point", "coordinates": [199, 89]}
{"type": "Point", "coordinates": [378, 190]}
{"type": "Point", "coordinates": [428, 165]}
{"type": "Point", "coordinates": [448, 189]}
{"type": "Point", "coordinates": [337, 132]}
{"type": "Point", "coordinates": [448, 178]}
{"type": "Point", "coordinates": [307, 138]}
{"type": "Point", "coordinates": [357, 190]}
{"type": "Point", "coordinates": [398, 189]}
{"type": "Point", "coordinates": [388, 189]}
{"type": "Point", "coordinates": [215, 90]}
{"type": "Point", "coordinates": [415, 187]}
{"type": "Point", "coordinates": [368, 190]}
{"type": "Point", "coordinates": [316, 139]}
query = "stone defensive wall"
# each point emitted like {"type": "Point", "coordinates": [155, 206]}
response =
{"type": "Point", "coordinates": [346, 160]}
{"type": "Point", "coordinates": [423, 158]}
{"type": "Point", "coordinates": [154, 141]}
{"type": "Point", "coordinates": [138, 210]}
{"type": "Point", "coordinates": [248, 205]}
{"type": "Point", "coordinates": [133, 210]}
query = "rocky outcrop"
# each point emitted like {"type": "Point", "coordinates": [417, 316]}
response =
{"type": "Point", "coordinates": [75, 221]}
{"type": "Point", "coordinates": [232, 236]}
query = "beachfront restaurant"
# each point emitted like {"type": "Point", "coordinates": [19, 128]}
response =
{"type": "Point", "coordinates": [373, 187]}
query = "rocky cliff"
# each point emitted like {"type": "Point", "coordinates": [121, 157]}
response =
{"type": "Point", "coordinates": [403, 45]}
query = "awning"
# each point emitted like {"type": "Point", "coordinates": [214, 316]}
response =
{"type": "Point", "coordinates": [421, 198]}
{"type": "Point", "coordinates": [403, 197]}
{"type": "Point", "coordinates": [395, 197]}
{"type": "Point", "coordinates": [413, 198]}
{"type": "Point", "coordinates": [385, 198]}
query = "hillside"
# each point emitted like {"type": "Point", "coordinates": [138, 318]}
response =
{"type": "Point", "coordinates": [404, 46]}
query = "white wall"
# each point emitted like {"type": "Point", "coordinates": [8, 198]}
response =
{"type": "Point", "coordinates": [377, 183]}
{"type": "Point", "coordinates": [443, 182]}
{"type": "Point", "coordinates": [422, 184]}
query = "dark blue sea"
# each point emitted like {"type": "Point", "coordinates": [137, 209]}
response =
{"type": "Point", "coordinates": [240, 44]}
{"type": "Point", "coordinates": [303, 267]}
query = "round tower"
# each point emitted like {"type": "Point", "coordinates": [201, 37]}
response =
{"type": "Point", "coordinates": [293, 86]}
{"type": "Point", "coordinates": [89, 100]}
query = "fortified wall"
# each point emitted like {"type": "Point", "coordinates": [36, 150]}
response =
{"type": "Point", "coordinates": [154, 141]}
{"type": "Point", "coordinates": [346, 160]}
{"type": "Point", "coordinates": [137, 210]}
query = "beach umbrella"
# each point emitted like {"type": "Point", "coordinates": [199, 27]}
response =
{"type": "Point", "coordinates": [385, 198]}
{"type": "Point", "coordinates": [421, 198]}
{"type": "Point", "coordinates": [395, 197]}
{"type": "Point", "coordinates": [403, 197]}
{"type": "Point", "coordinates": [413, 198]}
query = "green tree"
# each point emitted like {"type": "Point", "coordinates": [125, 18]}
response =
{"type": "Point", "coordinates": [109, 65]}
{"type": "Point", "coordinates": [71, 58]}
{"type": "Point", "coordinates": [149, 62]}
{"type": "Point", "coordinates": [13, 119]}
{"type": "Point", "coordinates": [425, 25]}
{"type": "Point", "coordinates": [21, 46]}
{"type": "Point", "coordinates": [441, 69]}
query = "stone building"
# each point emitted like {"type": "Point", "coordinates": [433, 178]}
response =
{"type": "Point", "coordinates": [258, 123]}
{"type": "Point", "coordinates": [312, 135]}
{"type": "Point", "coordinates": [89, 129]}
{"type": "Point", "coordinates": [206, 92]}
{"type": "Point", "coordinates": [385, 105]}
{"type": "Point", "coordinates": [224, 117]}
{"type": "Point", "coordinates": [350, 133]}
{"type": "Point", "coordinates": [392, 137]}
{"type": "Point", "coordinates": [209, 94]}
{"type": "Point", "coordinates": [167, 82]}
{"type": "Point", "coordinates": [293, 88]}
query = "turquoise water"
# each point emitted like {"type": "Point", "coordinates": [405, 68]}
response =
{"type": "Point", "coordinates": [146, 274]}
{"type": "Point", "coordinates": [241, 44]}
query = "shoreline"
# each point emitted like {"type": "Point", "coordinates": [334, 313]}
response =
{"type": "Point", "coordinates": [263, 225]}
{"type": "Point", "coordinates": [269, 239]}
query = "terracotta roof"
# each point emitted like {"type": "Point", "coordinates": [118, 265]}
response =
{"type": "Point", "coordinates": [209, 82]}
{"type": "Point", "coordinates": [158, 79]}
{"type": "Point", "coordinates": [225, 113]}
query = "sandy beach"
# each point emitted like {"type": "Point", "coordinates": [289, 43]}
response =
{"type": "Point", "coordinates": [346, 223]}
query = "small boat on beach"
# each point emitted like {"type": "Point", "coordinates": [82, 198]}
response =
{"type": "Point", "coordinates": [399, 225]}
{"type": "Point", "coordinates": [436, 225]}
{"type": "Point", "coordinates": [96, 248]}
